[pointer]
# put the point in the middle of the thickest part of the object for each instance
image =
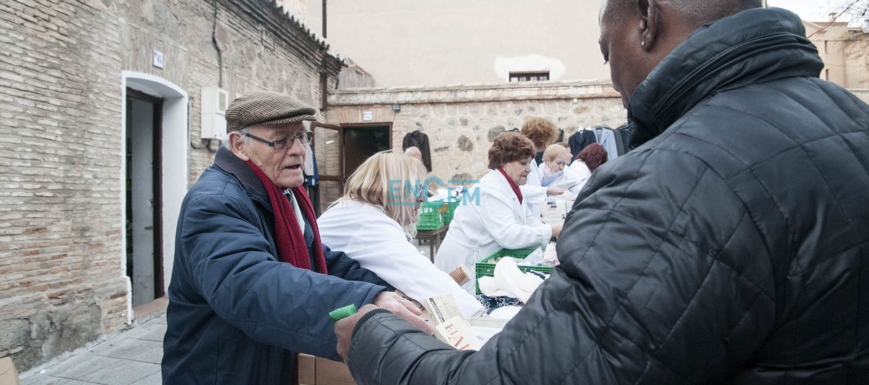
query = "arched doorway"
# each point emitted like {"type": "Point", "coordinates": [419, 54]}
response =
{"type": "Point", "coordinates": [154, 181]}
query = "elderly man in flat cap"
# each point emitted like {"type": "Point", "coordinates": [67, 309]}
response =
{"type": "Point", "coordinates": [252, 285]}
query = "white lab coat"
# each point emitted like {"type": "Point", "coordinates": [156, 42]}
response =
{"type": "Point", "coordinates": [366, 234]}
{"type": "Point", "coordinates": [498, 222]}
{"type": "Point", "coordinates": [573, 178]}
{"type": "Point", "coordinates": [533, 191]}
{"type": "Point", "coordinates": [578, 173]}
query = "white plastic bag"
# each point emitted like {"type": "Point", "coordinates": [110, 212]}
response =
{"type": "Point", "coordinates": [550, 257]}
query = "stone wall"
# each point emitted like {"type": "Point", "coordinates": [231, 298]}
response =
{"type": "Point", "coordinates": [462, 121]}
{"type": "Point", "coordinates": [61, 133]}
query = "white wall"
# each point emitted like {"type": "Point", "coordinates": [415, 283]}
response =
{"type": "Point", "coordinates": [436, 43]}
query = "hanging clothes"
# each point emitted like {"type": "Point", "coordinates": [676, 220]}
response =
{"type": "Point", "coordinates": [626, 133]}
{"type": "Point", "coordinates": [419, 140]}
{"type": "Point", "coordinates": [580, 140]}
{"type": "Point", "coordinates": [312, 177]}
{"type": "Point", "coordinates": [604, 135]}
{"type": "Point", "coordinates": [310, 167]}
{"type": "Point", "coordinates": [620, 145]}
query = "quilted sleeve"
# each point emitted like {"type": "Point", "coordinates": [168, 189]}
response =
{"type": "Point", "coordinates": [664, 278]}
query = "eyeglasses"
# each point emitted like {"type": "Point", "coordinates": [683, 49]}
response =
{"type": "Point", "coordinates": [285, 142]}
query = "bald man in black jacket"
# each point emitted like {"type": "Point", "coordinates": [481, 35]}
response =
{"type": "Point", "coordinates": [730, 246]}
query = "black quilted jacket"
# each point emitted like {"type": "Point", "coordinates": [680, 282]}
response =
{"type": "Point", "coordinates": [731, 246]}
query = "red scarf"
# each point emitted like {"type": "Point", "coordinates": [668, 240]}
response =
{"type": "Point", "coordinates": [512, 185]}
{"type": "Point", "coordinates": [288, 236]}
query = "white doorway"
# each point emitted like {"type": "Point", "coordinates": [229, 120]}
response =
{"type": "Point", "coordinates": [143, 192]}
{"type": "Point", "coordinates": [155, 179]}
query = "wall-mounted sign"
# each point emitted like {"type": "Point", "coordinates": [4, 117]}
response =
{"type": "Point", "coordinates": [367, 116]}
{"type": "Point", "coordinates": [158, 59]}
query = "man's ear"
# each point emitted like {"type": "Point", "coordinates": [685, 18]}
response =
{"type": "Point", "coordinates": [650, 23]}
{"type": "Point", "coordinates": [237, 145]}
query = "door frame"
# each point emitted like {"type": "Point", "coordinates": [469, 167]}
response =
{"type": "Point", "coordinates": [157, 184]}
{"type": "Point", "coordinates": [334, 178]}
{"type": "Point", "coordinates": [355, 125]}
{"type": "Point", "coordinates": [176, 136]}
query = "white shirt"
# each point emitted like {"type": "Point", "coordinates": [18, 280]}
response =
{"type": "Point", "coordinates": [296, 210]}
{"type": "Point", "coordinates": [533, 191]}
{"type": "Point", "coordinates": [366, 234]}
{"type": "Point", "coordinates": [578, 174]}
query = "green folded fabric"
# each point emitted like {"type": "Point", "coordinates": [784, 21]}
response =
{"type": "Point", "coordinates": [341, 313]}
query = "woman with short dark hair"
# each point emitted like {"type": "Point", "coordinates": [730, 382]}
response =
{"type": "Point", "coordinates": [592, 156]}
{"type": "Point", "coordinates": [500, 218]}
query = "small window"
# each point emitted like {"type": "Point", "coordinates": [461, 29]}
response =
{"type": "Point", "coordinates": [534, 76]}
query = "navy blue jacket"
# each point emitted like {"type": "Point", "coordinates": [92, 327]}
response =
{"type": "Point", "coordinates": [236, 315]}
{"type": "Point", "coordinates": [580, 140]}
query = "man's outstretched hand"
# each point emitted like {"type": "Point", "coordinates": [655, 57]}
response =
{"type": "Point", "coordinates": [385, 300]}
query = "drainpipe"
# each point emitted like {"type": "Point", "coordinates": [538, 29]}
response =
{"type": "Point", "coordinates": [324, 75]}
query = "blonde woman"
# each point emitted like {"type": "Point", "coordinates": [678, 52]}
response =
{"type": "Point", "coordinates": [373, 221]}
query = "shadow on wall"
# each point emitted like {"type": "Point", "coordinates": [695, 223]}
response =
{"type": "Point", "coordinates": [353, 76]}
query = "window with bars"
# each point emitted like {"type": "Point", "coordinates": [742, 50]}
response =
{"type": "Point", "coordinates": [532, 76]}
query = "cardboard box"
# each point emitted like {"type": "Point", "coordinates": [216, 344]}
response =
{"type": "Point", "coordinates": [8, 373]}
{"type": "Point", "coordinates": [553, 211]}
{"type": "Point", "coordinates": [457, 333]}
{"type": "Point", "coordinates": [442, 307]}
{"type": "Point", "coordinates": [320, 371]}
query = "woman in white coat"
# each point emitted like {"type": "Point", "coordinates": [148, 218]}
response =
{"type": "Point", "coordinates": [501, 219]}
{"type": "Point", "coordinates": [542, 133]}
{"type": "Point", "coordinates": [371, 223]}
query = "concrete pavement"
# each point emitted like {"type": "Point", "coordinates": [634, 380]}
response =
{"type": "Point", "coordinates": [131, 357]}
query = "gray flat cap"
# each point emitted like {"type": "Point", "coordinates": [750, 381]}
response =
{"type": "Point", "coordinates": [266, 107]}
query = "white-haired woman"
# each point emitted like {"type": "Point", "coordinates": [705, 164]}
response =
{"type": "Point", "coordinates": [372, 222]}
{"type": "Point", "coordinates": [555, 159]}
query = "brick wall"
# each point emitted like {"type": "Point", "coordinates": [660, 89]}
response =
{"type": "Point", "coordinates": [462, 121]}
{"type": "Point", "coordinates": [61, 280]}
